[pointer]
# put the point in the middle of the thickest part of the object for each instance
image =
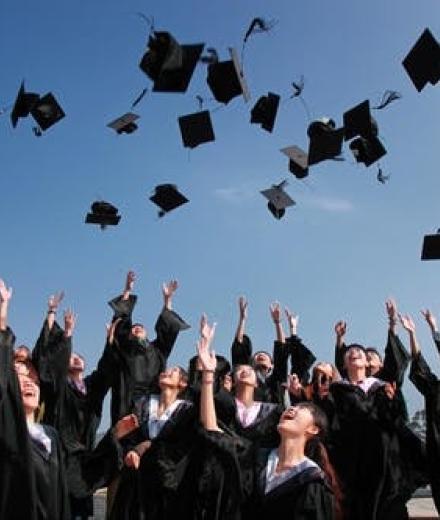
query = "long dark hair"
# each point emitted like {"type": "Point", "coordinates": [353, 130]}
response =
{"type": "Point", "coordinates": [316, 451]}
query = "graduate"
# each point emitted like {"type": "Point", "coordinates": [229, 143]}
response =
{"type": "Point", "coordinates": [72, 401]}
{"type": "Point", "coordinates": [137, 360]}
{"type": "Point", "coordinates": [271, 373]}
{"type": "Point", "coordinates": [32, 478]}
{"type": "Point", "coordinates": [153, 484]}
{"type": "Point", "coordinates": [270, 482]}
{"type": "Point", "coordinates": [428, 385]}
{"type": "Point", "coordinates": [369, 453]}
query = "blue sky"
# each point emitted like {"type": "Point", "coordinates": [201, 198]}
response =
{"type": "Point", "coordinates": [347, 245]}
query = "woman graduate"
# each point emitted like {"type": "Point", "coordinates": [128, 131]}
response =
{"type": "Point", "coordinates": [271, 372]}
{"type": "Point", "coordinates": [72, 401]}
{"type": "Point", "coordinates": [152, 484]}
{"type": "Point", "coordinates": [137, 360]}
{"type": "Point", "coordinates": [285, 478]}
{"type": "Point", "coordinates": [371, 457]}
{"type": "Point", "coordinates": [32, 478]}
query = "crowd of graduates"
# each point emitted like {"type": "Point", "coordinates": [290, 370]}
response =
{"type": "Point", "coordinates": [262, 434]}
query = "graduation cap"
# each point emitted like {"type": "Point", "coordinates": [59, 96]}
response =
{"type": "Point", "coordinates": [23, 104]}
{"type": "Point", "coordinates": [298, 161]}
{"type": "Point", "coordinates": [325, 140]}
{"type": "Point", "coordinates": [46, 111]}
{"type": "Point", "coordinates": [265, 111]}
{"type": "Point", "coordinates": [431, 247]}
{"type": "Point", "coordinates": [367, 151]}
{"type": "Point", "coordinates": [196, 129]}
{"type": "Point", "coordinates": [226, 80]}
{"type": "Point", "coordinates": [359, 121]}
{"type": "Point", "coordinates": [278, 199]}
{"type": "Point", "coordinates": [167, 197]}
{"type": "Point", "coordinates": [104, 214]}
{"type": "Point", "coordinates": [168, 64]}
{"type": "Point", "coordinates": [422, 63]}
{"type": "Point", "coordinates": [125, 124]}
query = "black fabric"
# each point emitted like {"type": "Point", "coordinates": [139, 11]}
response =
{"type": "Point", "coordinates": [429, 386]}
{"type": "Point", "coordinates": [74, 414]}
{"type": "Point", "coordinates": [369, 454]}
{"type": "Point", "coordinates": [157, 489]}
{"type": "Point", "coordinates": [238, 468]}
{"type": "Point", "coordinates": [269, 388]}
{"type": "Point", "coordinates": [301, 359]}
{"type": "Point", "coordinates": [137, 365]}
{"type": "Point", "coordinates": [32, 482]}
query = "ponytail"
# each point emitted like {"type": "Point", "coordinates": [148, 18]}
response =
{"type": "Point", "coordinates": [316, 451]}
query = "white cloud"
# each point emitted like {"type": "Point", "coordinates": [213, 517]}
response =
{"type": "Point", "coordinates": [331, 204]}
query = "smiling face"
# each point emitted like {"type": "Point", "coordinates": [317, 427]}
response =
{"type": "Point", "coordinates": [355, 358]}
{"type": "Point", "coordinates": [262, 360]}
{"type": "Point", "coordinates": [22, 354]}
{"type": "Point", "coordinates": [245, 375]}
{"type": "Point", "coordinates": [298, 421]}
{"type": "Point", "coordinates": [173, 377]}
{"type": "Point", "coordinates": [138, 331]}
{"type": "Point", "coordinates": [374, 362]}
{"type": "Point", "coordinates": [76, 363]}
{"type": "Point", "coordinates": [29, 386]}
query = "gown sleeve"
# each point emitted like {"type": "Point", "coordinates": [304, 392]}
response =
{"type": "Point", "coordinates": [241, 352]}
{"type": "Point", "coordinates": [301, 359]}
{"type": "Point", "coordinates": [168, 326]}
{"type": "Point", "coordinates": [396, 360]}
{"type": "Point", "coordinates": [422, 377]}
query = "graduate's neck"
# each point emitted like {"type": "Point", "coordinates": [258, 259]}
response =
{"type": "Point", "coordinates": [30, 416]}
{"type": "Point", "coordinates": [76, 375]}
{"type": "Point", "coordinates": [290, 452]}
{"type": "Point", "coordinates": [167, 396]}
{"type": "Point", "coordinates": [245, 394]}
{"type": "Point", "coordinates": [356, 374]}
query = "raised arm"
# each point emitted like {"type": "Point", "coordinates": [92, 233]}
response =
{"type": "Point", "coordinates": [122, 307]}
{"type": "Point", "coordinates": [208, 362]}
{"type": "Point", "coordinates": [241, 349]}
{"type": "Point", "coordinates": [420, 374]}
{"type": "Point", "coordinates": [432, 322]}
{"type": "Point", "coordinates": [340, 331]}
{"type": "Point", "coordinates": [169, 323]}
{"type": "Point", "coordinates": [301, 357]}
{"type": "Point", "coordinates": [409, 325]}
{"type": "Point", "coordinates": [396, 358]}
{"type": "Point", "coordinates": [276, 314]}
{"type": "Point", "coordinates": [52, 350]}
{"type": "Point", "coordinates": [5, 296]}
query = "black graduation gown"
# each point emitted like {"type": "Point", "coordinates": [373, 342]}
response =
{"type": "Point", "coordinates": [137, 365]}
{"type": "Point", "coordinates": [305, 496]}
{"type": "Point", "coordinates": [429, 386]}
{"type": "Point", "coordinates": [264, 428]}
{"type": "Point", "coordinates": [368, 453]}
{"type": "Point", "coordinates": [301, 359]}
{"type": "Point", "coordinates": [240, 495]}
{"type": "Point", "coordinates": [75, 415]}
{"type": "Point", "coordinates": [395, 363]}
{"type": "Point", "coordinates": [157, 490]}
{"type": "Point", "coordinates": [32, 482]}
{"type": "Point", "coordinates": [223, 466]}
{"type": "Point", "coordinates": [269, 388]}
